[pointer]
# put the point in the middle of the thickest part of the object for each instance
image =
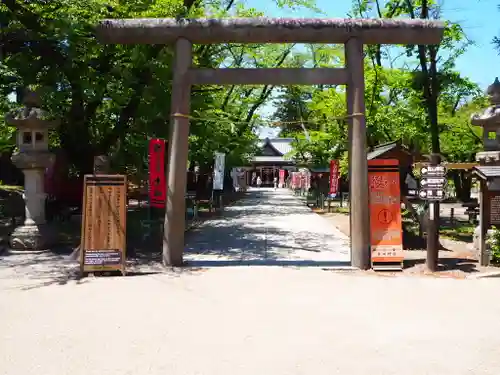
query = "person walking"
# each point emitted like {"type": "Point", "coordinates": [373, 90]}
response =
{"type": "Point", "coordinates": [259, 182]}
{"type": "Point", "coordinates": [275, 182]}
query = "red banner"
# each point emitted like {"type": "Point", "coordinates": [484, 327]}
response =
{"type": "Point", "coordinates": [307, 180]}
{"type": "Point", "coordinates": [385, 211]}
{"type": "Point", "coordinates": [334, 177]}
{"type": "Point", "coordinates": [157, 181]}
{"type": "Point", "coordinates": [282, 178]}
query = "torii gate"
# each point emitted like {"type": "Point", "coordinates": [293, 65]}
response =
{"type": "Point", "coordinates": [353, 33]}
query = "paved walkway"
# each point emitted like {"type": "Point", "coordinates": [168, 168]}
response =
{"type": "Point", "coordinates": [268, 228]}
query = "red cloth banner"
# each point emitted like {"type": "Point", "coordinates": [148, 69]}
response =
{"type": "Point", "coordinates": [157, 180]}
{"type": "Point", "coordinates": [334, 177]}
{"type": "Point", "coordinates": [385, 211]}
{"type": "Point", "coordinates": [295, 180]}
{"type": "Point", "coordinates": [307, 180]}
{"type": "Point", "coordinates": [282, 177]}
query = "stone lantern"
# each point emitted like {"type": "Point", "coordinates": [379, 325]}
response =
{"type": "Point", "coordinates": [33, 157]}
{"type": "Point", "coordinates": [488, 170]}
{"type": "Point", "coordinates": [489, 120]}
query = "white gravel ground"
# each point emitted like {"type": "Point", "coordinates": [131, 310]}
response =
{"type": "Point", "coordinates": [245, 320]}
{"type": "Point", "coordinates": [250, 320]}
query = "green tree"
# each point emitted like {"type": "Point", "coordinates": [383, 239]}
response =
{"type": "Point", "coordinates": [110, 98]}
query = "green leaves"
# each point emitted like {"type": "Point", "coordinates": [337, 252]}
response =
{"type": "Point", "coordinates": [412, 94]}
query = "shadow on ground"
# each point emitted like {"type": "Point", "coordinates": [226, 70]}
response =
{"type": "Point", "coordinates": [263, 241]}
{"type": "Point", "coordinates": [447, 264]}
{"type": "Point", "coordinates": [57, 267]}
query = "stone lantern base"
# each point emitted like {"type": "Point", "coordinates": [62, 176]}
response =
{"type": "Point", "coordinates": [33, 238]}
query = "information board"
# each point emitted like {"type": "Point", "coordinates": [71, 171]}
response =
{"type": "Point", "coordinates": [494, 209]}
{"type": "Point", "coordinates": [103, 241]}
{"type": "Point", "coordinates": [385, 211]}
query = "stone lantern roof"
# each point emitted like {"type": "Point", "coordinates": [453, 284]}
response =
{"type": "Point", "coordinates": [31, 116]}
{"type": "Point", "coordinates": [493, 92]}
{"type": "Point", "coordinates": [489, 120]}
{"type": "Point", "coordinates": [33, 124]}
{"type": "Point", "coordinates": [490, 117]}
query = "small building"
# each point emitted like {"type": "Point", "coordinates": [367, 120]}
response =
{"type": "Point", "coordinates": [270, 158]}
{"type": "Point", "coordinates": [395, 150]}
{"type": "Point", "coordinates": [273, 156]}
{"type": "Point", "coordinates": [392, 150]}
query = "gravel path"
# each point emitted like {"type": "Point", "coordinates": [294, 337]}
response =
{"type": "Point", "coordinates": [250, 320]}
{"type": "Point", "coordinates": [244, 320]}
{"type": "Point", "coordinates": [269, 228]}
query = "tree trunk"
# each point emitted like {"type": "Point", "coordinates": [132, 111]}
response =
{"type": "Point", "coordinates": [463, 185]}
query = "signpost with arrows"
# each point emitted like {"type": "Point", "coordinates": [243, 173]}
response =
{"type": "Point", "coordinates": [433, 183]}
{"type": "Point", "coordinates": [432, 189]}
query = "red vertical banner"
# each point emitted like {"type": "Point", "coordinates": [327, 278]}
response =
{"type": "Point", "coordinates": [385, 211]}
{"type": "Point", "coordinates": [307, 180]}
{"type": "Point", "coordinates": [157, 180]}
{"type": "Point", "coordinates": [334, 177]}
{"type": "Point", "coordinates": [282, 177]}
{"type": "Point", "coordinates": [295, 181]}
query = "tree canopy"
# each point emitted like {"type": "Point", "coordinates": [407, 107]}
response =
{"type": "Point", "coordinates": [111, 98]}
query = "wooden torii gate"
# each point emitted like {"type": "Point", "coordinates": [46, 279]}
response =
{"type": "Point", "coordinates": [353, 33]}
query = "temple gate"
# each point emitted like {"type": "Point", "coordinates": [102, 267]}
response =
{"type": "Point", "coordinates": [353, 33]}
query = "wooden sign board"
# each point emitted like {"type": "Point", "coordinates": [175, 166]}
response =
{"type": "Point", "coordinates": [385, 214]}
{"type": "Point", "coordinates": [103, 240]}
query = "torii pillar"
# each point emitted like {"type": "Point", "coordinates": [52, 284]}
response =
{"type": "Point", "coordinates": [353, 33]}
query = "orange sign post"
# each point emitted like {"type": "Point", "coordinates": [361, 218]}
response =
{"type": "Point", "coordinates": [385, 214]}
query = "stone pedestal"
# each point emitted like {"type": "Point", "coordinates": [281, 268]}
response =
{"type": "Point", "coordinates": [35, 233]}
{"type": "Point", "coordinates": [102, 164]}
{"type": "Point", "coordinates": [33, 237]}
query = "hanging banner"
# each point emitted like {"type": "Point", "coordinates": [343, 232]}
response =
{"type": "Point", "coordinates": [282, 178]}
{"type": "Point", "coordinates": [334, 177]}
{"type": "Point", "coordinates": [234, 176]}
{"type": "Point", "coordinates": [219, 171]}
{"type": "Point", "coordinates": [385, 211]}
{"type": "Point", "coordinates": [307, 180]}
{"type": "Point", "coordinates": [157, 181]}
{"type": "Point", "coordinates": [294, 180]}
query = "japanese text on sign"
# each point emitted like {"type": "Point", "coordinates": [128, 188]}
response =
{"type": "Point", "coordinates": [385, 210]}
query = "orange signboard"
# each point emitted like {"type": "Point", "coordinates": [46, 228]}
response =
{"type": "Point", "coordinates": [385, 211]}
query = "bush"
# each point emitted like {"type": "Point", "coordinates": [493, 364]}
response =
{"type": "Point", "coordinates": [494, 244]}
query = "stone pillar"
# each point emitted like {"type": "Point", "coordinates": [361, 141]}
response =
{"type": "Point", "coordinates": [34, 196]}
{"type": "Point", "coordinates": [178, 147]}
{"type": "Point", "coordinates": [102, 164]}
{"type": "Point", "coordinates": [33, 158]}
{"type": "Point", "coordinates": [358, 164]}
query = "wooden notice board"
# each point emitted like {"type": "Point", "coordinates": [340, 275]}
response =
{"type": "Point", "coordinates": [385, 211]}
{"type": "Point", "coordinates": [104, 223]}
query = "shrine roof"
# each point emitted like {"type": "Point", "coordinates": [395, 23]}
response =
{"type": "Point", "coordinates": [270, 159]}
{"type": "Point", "coordinates": [270, 30]}
{"type": "Point", "coordinates": [487, 172]}
{"type": "Point", "coordinates": [281, 145]}
{"type": "Point", "coordinates": [380, 150]}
